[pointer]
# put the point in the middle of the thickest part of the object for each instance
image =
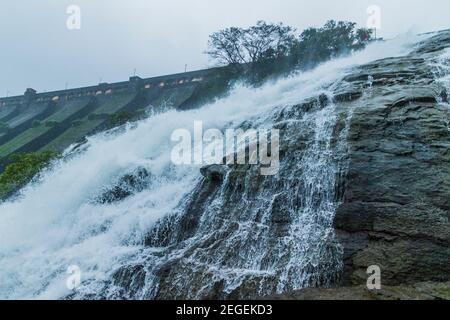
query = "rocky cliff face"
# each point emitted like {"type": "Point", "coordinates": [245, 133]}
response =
{"type": "Point", "coordinates": [396, 206]}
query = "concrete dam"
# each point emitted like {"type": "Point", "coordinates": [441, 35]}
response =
{"type": "Point", "coordinates": [52, 121]}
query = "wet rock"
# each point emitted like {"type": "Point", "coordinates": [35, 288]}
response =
{"type": "Point", "coordinates": [126, 186]}
{"type": "Point", "coordinates": [419, 291]}
{"type": "Point", "coordinates": [280, 211]}
{"type": "Point", "coordinates": [214, 172]}
{"type": "Point", "coordinates": [396, 203]}
{"type": "Point", "coordinates": [347, 96]}
{"type": "Point", "coordinates": [444, 96]}
{"type": "Point", "coordinates": [130, 279]}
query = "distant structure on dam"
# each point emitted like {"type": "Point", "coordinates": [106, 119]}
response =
{"type": "Point", "coordinates": [52, 121]}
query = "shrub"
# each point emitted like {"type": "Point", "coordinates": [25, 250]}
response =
{"type": "Point", "coordinates": [119, 118]}
{"type": "Point", "coordinates": [21, 170]}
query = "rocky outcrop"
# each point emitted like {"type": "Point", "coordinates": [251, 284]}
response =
{"type": "Point", "coordinates": [214, 172]}
{"type": "Point", "coordinates": [396, 206]}
{"type": "Point", "coordinates": [126, 186]}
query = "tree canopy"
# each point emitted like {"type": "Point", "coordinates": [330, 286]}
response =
{"type": "Point", "coordinates": [260, 42]}
{"type": "Point", "coordinates": [268, 42]}
{"type": "Point", "coordinates": [329, 41]}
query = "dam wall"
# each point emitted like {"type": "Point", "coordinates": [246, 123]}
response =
{"type": "Point", "coordinates": [134, 83]}
{"type": "Point", "coordinates": [52, 121]}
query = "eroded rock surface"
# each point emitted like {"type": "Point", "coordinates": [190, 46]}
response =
{"type": "Point", "coordinates": [396, 206]}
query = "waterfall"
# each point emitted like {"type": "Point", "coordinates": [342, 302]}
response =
{"type": "Point", "coordinates": [441, 68]}
{"type": "Point", "coordinates": [272, 234]}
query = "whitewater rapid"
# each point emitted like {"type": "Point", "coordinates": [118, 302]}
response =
{"type": "Point", "coordinates": [55, 224]}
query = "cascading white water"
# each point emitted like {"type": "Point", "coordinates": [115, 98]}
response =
{"type": "Point", "coordinates": [55, 224]}
{"type": "Point", "coordinates": [441, 67]}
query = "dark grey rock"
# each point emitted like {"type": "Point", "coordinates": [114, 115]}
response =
{"type": "Point", "coordinates": [126, 186]}
{"type": "Point", "coordinates": [396, 206]}
{"type": "Point", "coordinates": [419, 291]}
{"type": "Point", "coordinates": [214, 172]}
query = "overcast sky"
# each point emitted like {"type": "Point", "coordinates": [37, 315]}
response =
{"type": "Point", "coordinates": [160, 36]}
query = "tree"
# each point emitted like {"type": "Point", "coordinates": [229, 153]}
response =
{"type": "Point", "coordinates": [268, 41]}
{"type": "Point", "coordinates": [363, 37]}
{"type": "Point", "coordinates": [261, 42]}
{"type": "Point", "coordinates": [226, 46]}
{"type": "Point", "coordinates": [333, 39]}
{"type": "Point", "coordinates": [274, 49]}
